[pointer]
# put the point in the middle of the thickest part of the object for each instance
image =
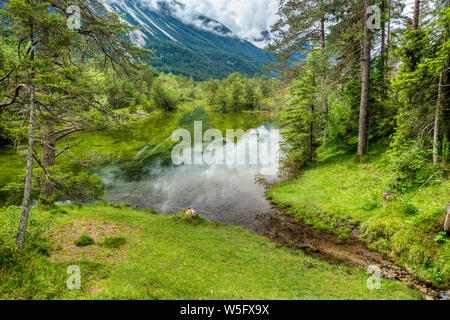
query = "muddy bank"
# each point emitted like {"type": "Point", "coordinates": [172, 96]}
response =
{"type": "Point", "coordinates": [295, 234]}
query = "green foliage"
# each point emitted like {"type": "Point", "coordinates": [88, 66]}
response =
{"type": "Point", "coordinates": [80, 187]}
{"type": "Point", "coordinates": [320, 122]}
{"type": "Point", "coordinates": [114, 242]}
{"type": "Point", "coordinates": [424, 54]}
{"type": "Point", "coordinates": [445, 150]}
{"type": "Point", "coordinates": [27, 275]}
{"type": "Point", "coordinates": [409, 209]}
{"type": "Point", "coordinates": [300, 119]}
{"type": "Point", "coordinates": [339, 195]}
{"type": "Point", "coordinates": [187, 219]}
{"type": "Point", "coordinates": [238, 92]}
{"type": "Point", "coordinates": [119, 205]}
{"type": "Point", "coordinates": [162, 97]}
{"type": "Point", "coordinates": [411, 167]}
{"type": "Point", "coordinates": [84, 240]}
{"type": "Point", "coordinates": [373, 202]}
{"type": "Point", "coordinates": [131, 89]}
{"type": "Point", "coordinates": [441, 237]}
{"type": "Point", "coordinates": [225, 56]}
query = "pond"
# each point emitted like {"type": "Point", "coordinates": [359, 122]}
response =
{"type": "Point", "coordinates": [136, 167]}
{"type": "Point", "coordinates": [222, 191]}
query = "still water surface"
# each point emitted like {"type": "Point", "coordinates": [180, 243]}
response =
{"type": "Point", "coordinates": [226, 193]}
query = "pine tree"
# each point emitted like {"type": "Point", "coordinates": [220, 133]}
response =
{"type": "Point", "coordinates": [48, 81]}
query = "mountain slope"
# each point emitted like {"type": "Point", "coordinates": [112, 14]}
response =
{"type": "Point", "coordinates": [203, 48]}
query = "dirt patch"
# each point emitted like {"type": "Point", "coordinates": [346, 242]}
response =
{"type": "Point", "coordinates": [295, 234]}
{"type": "Point", "coordinates": [63, 240]}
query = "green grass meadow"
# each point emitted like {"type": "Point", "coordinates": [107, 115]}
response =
{"type": "Point", "coordinates": [166, 257]}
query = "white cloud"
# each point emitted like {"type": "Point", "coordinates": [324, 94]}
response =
{"type": "Point", "coordinates": [245, 18]}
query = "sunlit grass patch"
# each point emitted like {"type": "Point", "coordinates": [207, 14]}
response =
{"type": "Point", "coordinates": [165, 259]}
{"type": "Point", "coordinates": [341, 195]}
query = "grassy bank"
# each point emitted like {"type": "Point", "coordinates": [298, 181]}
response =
{"type": "Point", "coordinates": [164, 257]}
{"type": "Point", "coordinates": [345, 197]}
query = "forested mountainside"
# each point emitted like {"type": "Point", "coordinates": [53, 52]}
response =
{"type": "Point", "coordinates": [203, 49]}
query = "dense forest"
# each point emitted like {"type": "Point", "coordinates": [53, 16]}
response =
{"type": "Point", "coordinates": [203, 49]}
{"type": "Point", "coordinates": [357, 84]}
{"type": "Point", "coordinates": [360, 94]}
{"type": "Point", "coordinates": [367, 89]}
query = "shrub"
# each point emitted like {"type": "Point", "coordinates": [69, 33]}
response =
{"type": "Point", "coordinates": [39, 244]}
{"type": "Point", "coordinates": [114, 242]}
{"type": "Point", "coordinates": [441, 237]}
{"type": "Point", "coordinates": [184, 218]}
{"type": "Point", "coordinates": [84, 240]}
{"type": "Point", "coordinates": [79, 187]}
{"type": "Point", "coordinates": [373, 202]}
{"type": "Point", "coordinates": [162, 97]}
{"type": "Point", "coordinates": [59, 210]}
{"type": "Point", "coordinates": [132, 108]}
{"type": "Point", "coordinates": [411, 168]}
{"type": "Point", "coordinates": [409, 209]}
{"type": "Point", "coordinates": [147, 106]}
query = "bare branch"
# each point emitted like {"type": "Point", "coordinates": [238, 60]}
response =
{"type": "Point", "coordinates": [14, 98]}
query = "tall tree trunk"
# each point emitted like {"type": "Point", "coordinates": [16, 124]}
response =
{"type": "Point", "coordinates": [365, 83]}
{"type": "Point", "coordinates": [311, 134]}
{"type": "Point", "coordinates": [28, 188]}
{"type": "Point", "coordinates": [383, 30]}
{"type": "Point", "coordinates": [436, 122]}
{"type": "Point", "coordinates": [415, 25]}
{"type": "Point", "coordinates": [325, 98]}
{"type": "Point", "coordinates": [383, 51]}
{"type": "Point", "coordinates": [389, 25]}
{"type": "Point", "coordinates": [20, 240]}
{"type": "Point", "coordinates": [322, 32]}
{"type": "Point", "coordinates": [447, 219]}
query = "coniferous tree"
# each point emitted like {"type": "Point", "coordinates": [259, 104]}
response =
{"type": "Point", "coordinates": [48, 78]}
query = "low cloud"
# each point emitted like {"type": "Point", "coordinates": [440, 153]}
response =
{"type": "Point", "coordinates": [246, 19]}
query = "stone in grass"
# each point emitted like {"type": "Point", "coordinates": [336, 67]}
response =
{"type": "Point", "coordinates": [114, 242]}
{"type": "Point", "coordinates": [191, 213]}
{"type": "Point", "coordinates": [84, 240]}
{"type": "Point", "coordinates": [387, 198]}
{"type": "Point", "coordinates": [189, 216]}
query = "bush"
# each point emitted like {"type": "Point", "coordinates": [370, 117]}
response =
{"type": "Point", "coordinates": [132, 108]}
{"type": "Point", "coordinates": [441, 237]}
{"type": "Point", "coordinates": [373, 202]}
{"type": "Point", "coordinates": [84, 240]}
{"type": "Point", "coordinates": [147, 106]}
{"type": "Point", "coordinates": [78, 187]}
{"type": "Point", "coordinates": [59, 210]}
{"type": "Point", "coordinates": [114, 242]}
{"type": "Point", "coordinates": [411, 168]}
{"type": "Point", "coordinates": [184, 218]}
{"type": "Point", "coordinates": [409, 209]}
{"type": "Point", "coordinates": [38, 244]}
{"type": "Point", "coordinates": [162, 97]}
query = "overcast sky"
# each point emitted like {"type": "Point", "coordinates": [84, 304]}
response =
{"type": "Point", "coordinates": [246, 18]}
